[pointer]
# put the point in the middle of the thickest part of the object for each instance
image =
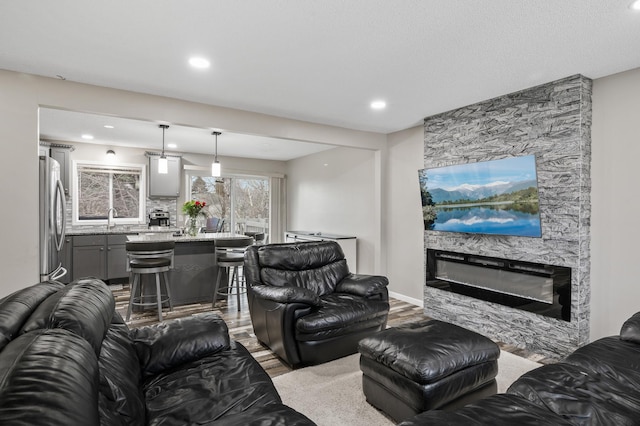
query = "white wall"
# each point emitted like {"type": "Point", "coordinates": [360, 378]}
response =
{"type": "Point", "coordinates": [404, 234]}
{"type": "Point", "coordinates": [615, 198]}
{"type": "Point", "coordinates": [22, 94]}
{"type": "Point", "coordinates": [335, 191]}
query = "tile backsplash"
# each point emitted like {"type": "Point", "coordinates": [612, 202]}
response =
{"type": "Point", "coordinates": [169, 204]}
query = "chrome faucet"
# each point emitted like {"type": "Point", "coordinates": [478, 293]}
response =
{"type": "Point", "coordinates": [110, 216]}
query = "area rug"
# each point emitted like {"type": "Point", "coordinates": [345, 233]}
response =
{"type": "Point", "coordinates": [331, 394]}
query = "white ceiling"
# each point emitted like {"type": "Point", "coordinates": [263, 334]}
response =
{"type": "Point", "coordinates": [322, 61]}
{"type": "Point", "coordinates": [69, 126]}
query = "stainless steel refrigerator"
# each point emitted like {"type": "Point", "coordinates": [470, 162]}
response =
{"type": "Point", "coordinates": [52, 220]}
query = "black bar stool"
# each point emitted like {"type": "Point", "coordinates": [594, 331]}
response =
{"type": "Point", "coordinates": [149, 258]}
{"type": "Point", "coordinates": [230, 255]}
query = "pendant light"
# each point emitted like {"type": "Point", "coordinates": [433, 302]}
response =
{"type": "Point", "coordinates": [163, 165]}
{"type": "Point", "coordinates": [215, 166]}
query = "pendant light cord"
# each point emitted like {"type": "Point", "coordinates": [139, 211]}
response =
{"type": "Point", "coordinates": [216, 147]}
{"type": "Point", "coordinates": [163, 126]}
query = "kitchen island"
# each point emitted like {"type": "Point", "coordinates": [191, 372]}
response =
{"type": "Point", "coordinates": [194, 266]}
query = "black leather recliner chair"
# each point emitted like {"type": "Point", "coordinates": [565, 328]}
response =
{"type": "Point", "coordinates": [306, 306]}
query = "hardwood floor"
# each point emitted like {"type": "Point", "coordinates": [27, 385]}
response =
{"type": "Point", "coordinates": [241, 330]}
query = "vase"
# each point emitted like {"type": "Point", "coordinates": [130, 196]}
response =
{"type": "Point", "coordinates": [192, 229]}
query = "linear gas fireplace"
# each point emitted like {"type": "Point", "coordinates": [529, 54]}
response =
{"type": "Point", "coordinates": [543, 289]}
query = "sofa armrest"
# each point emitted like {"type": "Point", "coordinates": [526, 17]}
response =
{"type": "Point", "coordinates": [364, 285]}
{"type": "Point", "coordinates": [630, 330]}
{"type": "Point", "coordinates": [172, 343]}
{"type": "Point", "coordinates": [286, 294]}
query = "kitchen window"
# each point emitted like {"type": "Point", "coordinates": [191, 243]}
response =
{"type": "Point", "coordinates": [99, 188]}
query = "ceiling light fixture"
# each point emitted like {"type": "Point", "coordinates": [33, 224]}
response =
{"type": "Point", "coordinates": [87, 137]}
{"type": "Point", "coordinates": [163, 164]}
{"type": "Point", "coordinates": [215, 166]}
{"type": "Point", "coordinates": [108, 126]}
{"type": "Point", "coordinates": [172, 145]}
{"type": "Point", "coordinates": [198, 62]}
{"type": "Point", "coordinates": [111, 154]}
{"type": "Point", "coordinates": [378, 105]}
{"type": "Point", "coordinates": [635, 5]}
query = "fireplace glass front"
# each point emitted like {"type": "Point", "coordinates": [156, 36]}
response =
{"type": "Point", "coordinates": [540, 288]}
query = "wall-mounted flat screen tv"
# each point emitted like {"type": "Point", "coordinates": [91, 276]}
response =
{"type": "Point", "coordinates": [489, 197]}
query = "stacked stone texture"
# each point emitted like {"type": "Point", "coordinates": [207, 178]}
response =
{"type": "Point", "coordinates": [552, 122]}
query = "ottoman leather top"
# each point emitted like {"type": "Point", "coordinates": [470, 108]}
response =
{"type": "Point", "coordinates": [427, 351]}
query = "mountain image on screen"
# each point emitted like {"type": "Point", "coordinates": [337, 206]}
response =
{"type": "Point", "coordinates": [440, 195]}
{"type": "Point", "coordinates": [490, 197]}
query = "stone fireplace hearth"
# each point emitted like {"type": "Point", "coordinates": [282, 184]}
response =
{"type": "Point", "coordinates": [552, 122]}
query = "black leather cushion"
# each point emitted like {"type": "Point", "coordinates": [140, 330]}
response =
{"type": "Point", "coordinates": [580, 395]}
{"type": "Point", "coordinates": [208, 389]}
{"type": "Point", "coordinates": [427, 351]}
{"type": "Point", "coordinates": [300, 256]}
{"type": "Point", "coordinates": [321, 280]}
{"type": "Point", "coordinates": [17, 307]}
{"type": "Point", "coordinates": [630, 330]}
{"type": "Point", "coordinates": [287, 294]}
{"type": "Point", "coordinates": [427, 396]}
{"type": "Point", "coordinates": [84, 307]}
{"type": "Point", "coordinates": [497, 410]}
{"type": "Point", "coordinates": [121, 396]}
{"type": "Point", "coordinates": [48, 377]}
{"type": "Point", "coordinates": [363, 285]}
{"type": "Point", "coordinates": [271, 415]}
{"type": "Point", "coordinates": [149, 245]}
{"type": "Point", "coordinates": [170, 344]}
{"type": "Point", "coordinates": [612, 357]}
{"type": "Point", "coordinates": [340, 314]}
{"type": "Point", "coordinates": [150, 262]}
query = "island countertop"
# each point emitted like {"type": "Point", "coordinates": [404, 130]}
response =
{"type": "Point", "coordinates": [202, 237]}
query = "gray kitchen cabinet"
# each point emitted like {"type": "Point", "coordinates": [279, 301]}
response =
{"type": "Point", "coordinates": [100, 256]}
{"type": "Point", "coordinates": [116, 256]}
{"type": "Point", "coordinates": [89, 256]}
{"type": "Point", "coordinates": [164, 185]}
{"type": "Point", "coordinates": [66, 257]}
{"type": "Point", "coordinates": [62, 156]}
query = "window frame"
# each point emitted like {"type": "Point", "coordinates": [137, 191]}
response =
{"type": "Point", "coordinates": [204, 172]}
{"type": "Point", "coordinates": [141, 168]}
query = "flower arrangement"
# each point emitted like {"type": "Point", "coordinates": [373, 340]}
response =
{"type": "Point", "coordinates": [194, 208]}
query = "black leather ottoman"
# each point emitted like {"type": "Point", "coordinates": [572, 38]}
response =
{"type": "Point", "coordinates": [426, 365]}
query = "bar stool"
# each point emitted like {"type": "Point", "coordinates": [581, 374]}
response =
{"type": "Point", "coordinates": [230, 254]}
{"type": "Point", "coordinates": [146, 258]}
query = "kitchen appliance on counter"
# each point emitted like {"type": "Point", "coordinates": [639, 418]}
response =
{"type": "Point", "coordinates": [158, 217]}
{"type": "Point", "coordinates": [52, 220]}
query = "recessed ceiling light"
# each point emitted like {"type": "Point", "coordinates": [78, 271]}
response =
{"type": "Point", "coordinates": [172, 145]}
{"type": "Point", "coordinates": [378, 105]}
{"type": "Point", "coordinates": [108, 126]}
{"type": "Point", "coordinates": [87, 137]}
{"type": "Point", "coordinates": [198, 62]}
{"type": "Point", "coordinates": [635, 5]}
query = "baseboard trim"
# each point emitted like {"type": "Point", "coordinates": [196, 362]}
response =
{"type": "Point", "coordinates": [407, 299]}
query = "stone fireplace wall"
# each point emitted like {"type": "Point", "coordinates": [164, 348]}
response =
{"type": "Point", "coordinates": [552, 121]}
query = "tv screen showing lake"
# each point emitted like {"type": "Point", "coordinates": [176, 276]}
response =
{"type": "Point", "coordinates": [490, 197]}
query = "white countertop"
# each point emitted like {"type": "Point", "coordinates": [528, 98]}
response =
{"type": "Point", "coordinates": [163, 236]}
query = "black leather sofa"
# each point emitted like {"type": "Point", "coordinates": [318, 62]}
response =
{"type": "Point", "coordinates": [67, 358]}
{"type": "Point", "coordinates": [598, 384]}
{"type": "Point", "coordinates": [306, 306]}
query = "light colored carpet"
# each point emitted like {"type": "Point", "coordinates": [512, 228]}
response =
{"type": "Point", "coordinates": [331, 394]}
